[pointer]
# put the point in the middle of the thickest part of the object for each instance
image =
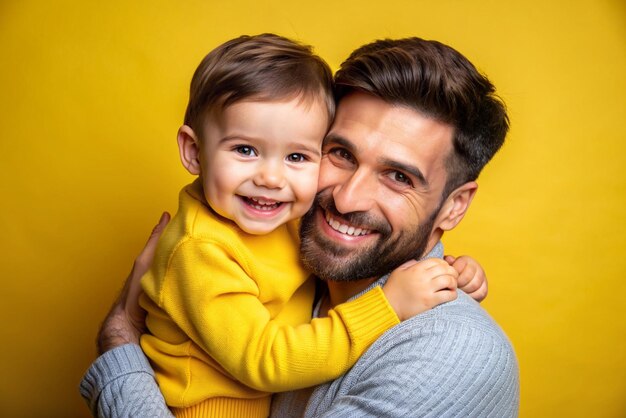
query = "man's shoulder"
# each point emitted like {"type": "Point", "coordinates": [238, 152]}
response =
{"type": "Point", "coordinates": [452, 356]}
{"type": "Point", "coordinates": [459, 335]}
{"type": "Point", "coordinates": [463, 312]}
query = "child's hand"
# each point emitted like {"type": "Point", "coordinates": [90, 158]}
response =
{"type": "Point", "coordinates": [417, 286]}
{"type": "Point", "coordinates": [472, 278]}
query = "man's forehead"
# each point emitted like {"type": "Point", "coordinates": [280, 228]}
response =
{"type": "Point", "coordinates": [362, 115]}
{"type": "Point", "coordinates": [366, 124]}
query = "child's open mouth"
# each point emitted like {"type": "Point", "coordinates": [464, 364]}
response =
{"type": "Point", "coordinates": [262, 204]}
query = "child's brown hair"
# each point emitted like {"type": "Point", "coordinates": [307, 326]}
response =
{"type": "Point", "coordinates": [261, 67]}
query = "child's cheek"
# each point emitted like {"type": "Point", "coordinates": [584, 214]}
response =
{"type": "Point", "coordinates": [308, 189]}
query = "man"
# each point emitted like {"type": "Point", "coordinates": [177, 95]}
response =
{"type": "Point", "coordinates": [415, 125]}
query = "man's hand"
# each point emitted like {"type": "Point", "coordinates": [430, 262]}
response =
{"type": "Point", "coordinates": [125, 321]}
{"type": "Point", "coordinates": [417, 286]}
{"type": "Point", "coordinates": [472, 278]}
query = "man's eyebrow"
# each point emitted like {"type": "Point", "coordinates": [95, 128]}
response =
{"type": "Point", "coordinates": [397, 165]}
{"type": "Point", "coordinates": [338, 140]}
{"type": "Point", "coordinates": [407, 168]}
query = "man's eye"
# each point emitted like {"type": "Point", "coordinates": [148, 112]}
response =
{"type": "Point", "coordinates": [296, 158]}
{"type": "Point", "coordinates": [399, 177]}
{"type": "Point", "coordinates": [246, 150]}
{"type": "Point", "coordinates": [342, 153]}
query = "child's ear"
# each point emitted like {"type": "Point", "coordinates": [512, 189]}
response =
{"type": "Point", "coordinates": [189, 149]}
{"type": "Point", "coordinates": [456, 205]}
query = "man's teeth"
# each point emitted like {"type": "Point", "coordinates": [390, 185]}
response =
{"type": "Point", "coordinates": [345, 229]}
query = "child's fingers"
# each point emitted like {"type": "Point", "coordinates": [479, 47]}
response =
{"type": "Point", "coordinates": [467, 275]}
{"type": "Point", "coordinates": [445, 295]}
{"type": "Point", "coordinates": [429, 267]}
{"type": "Point", "coordinates": [481, 293]}
{"type": "Point", "coordinates": [461, 263]}
{"type": "Point", "coordinates": [449, 259]}
{"type": "Point", "coordinates": [439, 273]}
{"type": "Point", "coordinates": [473, 284]}
{"type": "Point", "coordinates": [426, 270]}
{"type": "Point", "coordinates": [443, 282]}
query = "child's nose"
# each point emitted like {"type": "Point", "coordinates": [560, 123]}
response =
{"type": "Point", "coordinates": [270, 175]}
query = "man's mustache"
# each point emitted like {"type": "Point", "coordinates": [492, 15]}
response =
{"type": "Point", "coordinates": [360, 219]}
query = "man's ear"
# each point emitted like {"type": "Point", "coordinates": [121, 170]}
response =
{"type": "Point", "coordinates": [189, 149]}
{"type": "Point", "coordinates": [456, 205]}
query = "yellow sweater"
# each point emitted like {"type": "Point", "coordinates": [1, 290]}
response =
{"type": "Point", "coordinates": [229, 316]}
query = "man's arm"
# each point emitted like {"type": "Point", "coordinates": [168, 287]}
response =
{"type": "Point", "coordinates": [120, 383]}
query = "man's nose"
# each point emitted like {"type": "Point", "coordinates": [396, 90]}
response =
{"type": "Point", "coordinates": [356, 193]}
{"type": "Point", "coordinates": [270, 174]}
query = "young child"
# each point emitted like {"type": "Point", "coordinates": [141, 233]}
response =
{"type": "Point", "coordinates": [229, 305]}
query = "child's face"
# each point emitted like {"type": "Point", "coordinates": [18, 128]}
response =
{"type": "Point", "coordinates": [260, 161]}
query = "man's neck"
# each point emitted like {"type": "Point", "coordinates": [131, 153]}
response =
{"type": "Point", "coordinates": [339, 292]}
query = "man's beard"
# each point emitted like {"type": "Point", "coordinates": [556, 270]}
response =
{"type": "Point", "coordinates": [331, 261]}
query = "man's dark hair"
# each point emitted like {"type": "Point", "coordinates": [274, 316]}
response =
{"type": "Point", "coordinates": [439, 82]}
{"type": "Point", "coordinates": [260, 67]}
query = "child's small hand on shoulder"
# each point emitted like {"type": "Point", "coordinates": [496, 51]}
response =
{"type": "Point", "coordinates": [417, 286]}
{"type": "Point", "coordinates": [472, 279]}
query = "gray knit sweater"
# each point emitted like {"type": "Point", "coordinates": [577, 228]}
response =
{"type": "Point", "coordinates": [451, 361]}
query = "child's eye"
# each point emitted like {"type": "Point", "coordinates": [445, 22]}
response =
{"type": "Point", "coordinates": [246, 150]}
{"type": "Point", "coordinates": [296, 158]}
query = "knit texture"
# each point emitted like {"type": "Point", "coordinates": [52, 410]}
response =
{"type": "Point", "coordinates": [451, 361]}
{"type": "Point", "coordinates": [120, 384]}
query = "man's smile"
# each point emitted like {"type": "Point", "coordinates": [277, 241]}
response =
{"type": "Point", "coordinates": [345, 228]}
{"type": "Point", "coordinates": [341, 231]}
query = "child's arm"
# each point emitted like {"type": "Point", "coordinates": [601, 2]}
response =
{"type": "Point", "coordinates": [226, 319]}
{"type": "Point", "coordinates": [472, 278]}
{"type": "Point", "coordinates": [420, 286]}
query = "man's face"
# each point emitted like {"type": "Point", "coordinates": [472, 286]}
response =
{"type": "Point", "coordinates": [381, 180]}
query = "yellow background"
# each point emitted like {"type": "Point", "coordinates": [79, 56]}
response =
{"type": "Point", "coordinates": [91, 96]}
